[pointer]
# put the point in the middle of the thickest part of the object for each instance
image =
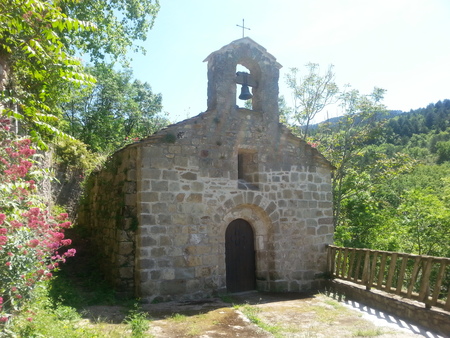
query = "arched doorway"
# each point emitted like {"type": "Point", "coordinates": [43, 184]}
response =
{"type": "Point", "coordinates": [240, 256]}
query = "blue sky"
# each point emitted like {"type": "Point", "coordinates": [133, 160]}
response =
{"type": "Point", "coordinates": [402, 46]}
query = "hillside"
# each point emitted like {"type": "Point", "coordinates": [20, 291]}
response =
{"type": "Point", "coordinates": [391, 185]}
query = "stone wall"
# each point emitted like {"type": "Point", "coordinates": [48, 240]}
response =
{"type": "Point", "coordinates": [108, 212]}
{"type": "Point", "coordinates": [188, 193]}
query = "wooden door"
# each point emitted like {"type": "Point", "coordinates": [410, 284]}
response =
{"type": "Point", "coordinates": [240, 256]}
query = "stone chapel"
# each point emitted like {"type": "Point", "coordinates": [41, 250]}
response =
{"type": "Point", "coordinates": [226, 201]}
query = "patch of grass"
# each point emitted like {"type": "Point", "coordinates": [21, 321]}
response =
{"type": "Point", "coordinates": [137, 321]}
{"type": "Point", "coordinates": [178, 317]}
{"type": "Point", "coordinates": [194, 331]}
{"type": "Point", "coordinates": [43, 318]}
{"type": "Point", "coordinates": [334, 304]}
{"type": "Point", "coordinates": [226, 298]}
{"type": "Point", "coordinates": [368, 332]}
{"type": "Point", "coordinates": [251, 312]}
{"type": "Point", "coordinates": [194, 325]}
{"type": "Point", "coordinates": [325, 315]}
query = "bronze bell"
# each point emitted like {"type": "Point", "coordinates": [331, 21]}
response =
{"type": "Point", "coordinates": [245, 93]}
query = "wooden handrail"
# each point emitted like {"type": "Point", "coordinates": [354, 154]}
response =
{"type": "Point", "coordinates": [418, 277]}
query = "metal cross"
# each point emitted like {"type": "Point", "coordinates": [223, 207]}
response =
{"type": "Point", "coordinates": [243, 27]}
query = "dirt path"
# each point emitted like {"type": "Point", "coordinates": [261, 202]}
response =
{"type": "Point", "coordinates": [258, 315]}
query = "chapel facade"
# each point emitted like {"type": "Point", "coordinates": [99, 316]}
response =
{"type": "Point", "coordinates": [226, 201]}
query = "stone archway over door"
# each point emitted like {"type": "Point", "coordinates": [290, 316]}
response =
{"type": "Point", "coordinates": [240, 256]}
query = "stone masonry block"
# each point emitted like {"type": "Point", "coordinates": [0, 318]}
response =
{"type": "Point", "coordinates": [165, 240]}
{"type": "Point", "coordinates": [189, 176]}
{"type": "Point", "coordinates": [173, 287]}
{"type": "Point", "coordinates": [126, 272]}
{"type": "Point", "coordinates": [168, 274]}
{"type": "Point", "coordinates": [193, 260]}
{"type": "Point", "coordinates": [148, 220]}
{"type": "Point", "coordinates": [146, 263]}
{"type": "Point", "coordinates": [155, 274]}
{"type": "Point", "coordinates": [159, 208]}
{"type": "Point", "coordinates": [195, 198]}
{"type": "Point", "coordinates": [174, 149]}
{"type": "Point", "coordinates": [164, 219]}
{"type": "Point", "coordinates": [170, 175]}
{"type": "Point", "coordinates": [131, 175]}
{"type": "Point", "coordinates": [148, 241]}
{"type": "Point", "coordinates": [197, 250]}
{"type": "Point", "coordinates": [197, 186]}
{"type": "Point", "coordinates": [157, 252]}
{"type": "Point", "coordinates": [130, 199]}
{"type": "Point", "coordinates": [185, 273]}
{"type": "Point", "coordinates": [151, 174]}
{"type": "Point", "coordinates": [327, 221]}
{"type": "Point", "coordinates": [323, 230]}
{"type": "Point", "coordinates": [159, 185]}
{"type": "Point", "coordinates": [126, 248]}
{"type": "Point", "coordinates": [158, 229]}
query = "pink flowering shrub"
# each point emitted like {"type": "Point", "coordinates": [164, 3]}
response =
{"type": "Point", "coordinates": [30, 238]}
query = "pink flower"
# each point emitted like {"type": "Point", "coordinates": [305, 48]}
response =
{"type": "Point", "coordinates": [2, 218]}
{"type": "Point", "coordinates": [70, 253]}
{"type": "Point", "coordinates": [3, 231]}
{"type": "Point", "coordinates": [3, 240]}
{"type": "Point", "coordinates": [65, 225]}
{"type": "Point", "coordinates": [66, 242]}
{"type": "Point", "coordinates": [33, 243]}
{"type": "Point", "coordinates": [3, 319]}
{"type": "Point", "coordinates": [34, 211]}
{"type": "Point", "coordinates": [8, 263]}
{"type": "Point", "coordinates": [58, 236]}
{"type": "Point", "coordinates": [62, 216]}
{"type": "Point", "coordinates": [16, 224]}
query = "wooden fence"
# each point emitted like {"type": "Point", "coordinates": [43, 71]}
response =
{"type": "Point", "coordinates": [422, 278]}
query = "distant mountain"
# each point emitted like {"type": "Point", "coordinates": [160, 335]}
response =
{"type": "Point", "coordinates": [334, 120]}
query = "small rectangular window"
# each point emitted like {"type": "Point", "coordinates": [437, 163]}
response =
{"type": "Point", "coordinates": [248, 177]}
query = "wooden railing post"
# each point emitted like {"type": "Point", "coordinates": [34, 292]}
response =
{"type": "Point", "coordinates": [366, 270]}
{"type": "Point", "coordinates": [381, 273]}
{"type": "Point", "coordinates": [437, 286]}
{"type": "Point", "coordinates": [401, 274]}
{"type": "Point", "coordinates": [338, 265]}
{"type": "Point", "coordinates": [373, 268]}
{"type": "Point", "coordinates": [415, 271]}
{"type": "Point", "coordinates": [447, 303]}
{"type": "Point", "coordinates": [333, 261]}
{"type": "Point", "coordinates": [425, 282]}
{"type": "Point", "coordinates": [391, 272]}
{"type": "Point", "coordinates": [351, 264]}
{"type": "Point", "coordinates": [345, 264]}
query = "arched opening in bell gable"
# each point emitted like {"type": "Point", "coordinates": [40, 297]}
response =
{"type": "Point", "coordinates": [247, 80]}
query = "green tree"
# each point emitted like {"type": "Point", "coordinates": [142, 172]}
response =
{"type": "Point", "coordinates": [443, 151]}
{"type": "Point", "coordinates": [36, 64]}
{"type": "Point", "coordinates": [120, 24]}
{"type": "Point", "coordinates": [311, 93]}
{"type": "Point", "coordinates": [342, 142]}
{"type": "Point", "coordinates": [424, 223]}
{"type": "Point", "coordinates": [283, 109]}
{"type": "Point", "coordinates": [38, 43]}
{"type": "Point", "coordinates": [114, 112]}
